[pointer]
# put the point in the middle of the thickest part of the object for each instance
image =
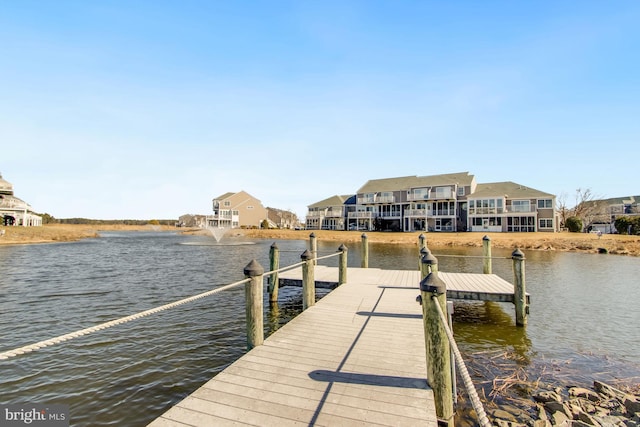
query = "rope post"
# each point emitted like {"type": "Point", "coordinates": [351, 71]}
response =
{"type": "Point", "coordinates": [342, 270]}
{"type": "Point", "coordinates": [313, 246]}
{"type": "Point", "coordinates": [422, 242]}
{"type": "Point", "coordinates": [365, 251]}
{"type": "Point", "coordinates": [486, 253]}
{"type": "Point", "coordinates": [433, 292]}
{"type": "Point", "coordinates": [308, 280]}
{"type": "Point", "coordinates": [519, 288]}
{"type": "Point", "coordinates": [274, 264]}
{"type": "Point", "coordinates": [254, 305]}
{"type": "Point", "coordinates": [429, 263]}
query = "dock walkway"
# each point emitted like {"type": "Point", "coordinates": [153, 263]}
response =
{"type": "Point", "coordinates": [355, 358]}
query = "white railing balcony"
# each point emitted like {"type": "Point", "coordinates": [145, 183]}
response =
{"type": "Point", "coordinates": [417, 197]}
{"type": "Point", "coordinates": [416, 212]}
{"type": "Point", "coordinates": [365, 200]}
{"type": "Point", "coordinates": [520, 209]}
{"type": "Point", "coordinates": [443, 212]}
{"type": "Point", "coordinates": [334, 214]}
{"type": "Point", "coordinates": [315, 214]}
{"type": "Point", "coordinates": [385, 199]}
{"type": "Point", "coordinates": [389, 215]}
{"type": "Point", "coordinates": [360, 214]}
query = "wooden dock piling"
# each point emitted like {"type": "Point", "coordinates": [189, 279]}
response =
{"type": "Point", "coordinates": [342, 271]}
{"type": "Point", "coordinates": [308, 280]}
{"type": "Point", "coordinates": [313, 246]}
{"type": "Point", "coordinates": [274, 265]}
{"type": "Point", "coordinates": [434, 291]}
{"type": "Point", "coordinates": [365, 251]}
{"type": "Point", "coordinates": [253, 304]}
{"type": "Point", "coordinates": [486, 253]}
{"type": "Point", "coordinates": [519, 288]}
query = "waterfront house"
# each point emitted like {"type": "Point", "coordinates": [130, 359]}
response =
{"type": "Point", "coordinates": [330, 213]}
{"type": "Point", "coordinates": [234, 210]}
{"type": "Point", "coordinates": [600, 215]}
{"type": "Point", "coordinates": [446, 202]}
{"type": "Point", "coordinates": [15, 211]}
{"type": "Point", "coordinates": [279, 218]}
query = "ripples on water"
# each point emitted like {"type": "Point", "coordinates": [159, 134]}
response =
{"type": "Point", "coordinates": [583, 309]}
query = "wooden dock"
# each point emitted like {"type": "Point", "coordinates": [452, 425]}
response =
{"type": "Point", "coordinates": [464, 286]}
{"type": "Point", "coordinates": [355, 358]}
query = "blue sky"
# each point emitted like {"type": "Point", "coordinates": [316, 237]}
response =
{"type": "Point", "coordinates": [149, 109]}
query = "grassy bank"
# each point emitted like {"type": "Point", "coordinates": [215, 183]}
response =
{"type": "Point", "coordinates": [64, 232]}
{"type": "Point", "coordinates": [580, 242]}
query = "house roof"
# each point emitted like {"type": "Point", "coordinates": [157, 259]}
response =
{"type": "Point", "coordinates": [408, 182]}
{"type": "Point", "coordinates": [331, 201]}
{"type": "Point", "coordinates": [508, 189]}
{"type": "Point", "coordinates": [224, 196]}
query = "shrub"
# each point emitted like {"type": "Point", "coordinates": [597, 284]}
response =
{"type": "Point", "coordinates": [573, 224]}
{"type": "Point", "coordinates": [627, 225]}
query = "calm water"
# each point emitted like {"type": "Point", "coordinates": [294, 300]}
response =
{"type": "Point", "coordinates": [584, 314]}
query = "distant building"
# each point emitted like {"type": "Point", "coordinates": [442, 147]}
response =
{"type": "Point", "coordinates": [447, 202]}
{"type": "Point", "coordinates": [190, 220]}
{"type": "Point", "coordinates": [600, 215]}
{"type": "Point", "coordinates": [279, 218]}
{"type": "Point", "coordinates": [234, 210]}
{"type": "Point", "coordinates": [14, 211]}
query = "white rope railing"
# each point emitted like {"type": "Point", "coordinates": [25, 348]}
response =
{"type": "Point", "coordinates": [36, 346]}
{"type": "Point", "coordinates": [483, 420]}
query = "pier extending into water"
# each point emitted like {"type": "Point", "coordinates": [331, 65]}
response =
{"type": "Point", "coordinates": [374, 351]}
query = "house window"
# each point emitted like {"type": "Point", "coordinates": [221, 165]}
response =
{"type": "Point", "coordinates": [545, 204]}
{"type": "Point", "coordinates": [227, 203]}
{"type": "Point", "coordinates": [521, 206]}
{"type": "Point", "coordinates": [546, 222]}
{"type": "Point", "coordinates": [460, 191]}
{"type": "Point", "coordinates": [249, 207]}
{"type": "Point", "coordinates": [420, 193]}
{"type": "Point", "coordinates": [443, 192]}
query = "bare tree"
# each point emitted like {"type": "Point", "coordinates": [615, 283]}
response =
{"type": "Point", "coordinates": [588, 208]}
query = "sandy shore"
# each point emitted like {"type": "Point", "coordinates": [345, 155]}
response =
{"type": "Point", "coordinates": [580, 242]}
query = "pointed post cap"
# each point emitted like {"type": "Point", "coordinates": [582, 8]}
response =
{"type": "Point", "coordinates": [274, 245]}
{"type": "Point", "coordinates": [253, 269]}
{"type": "Point", "coordinates": [486, 238]}
{"type": "Point", "coordinates": [517, 254]}
{"type": "Point", "coordinates": [429, 259]}
{"type": "Point", "coordinates": [306, 255]}
{"type": "Point", "coordinates": [432, 283]}
{"type": "Point", "coordinates": [312, 234]}
{"type": "Point", "coordinates": [364, 235]}
{"type": "Point", "coordinates": [342, 248]}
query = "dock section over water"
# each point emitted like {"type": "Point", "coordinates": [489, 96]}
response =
{"type": "Point", "coordinates": [466, 286]}
{"type": "Point", "coordinates": [356, 358]}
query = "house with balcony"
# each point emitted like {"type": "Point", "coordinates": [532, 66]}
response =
{"type": "Point", "coordinates": [511, 207]}
{"type": "Point", "coordinates": [446, 202]}
{"type": "Point", "coordinates": [330, 213]}
{"type": "Point", "coordinates": [237, 210]}
{"type": "Point", "coordinates": [15, 211]}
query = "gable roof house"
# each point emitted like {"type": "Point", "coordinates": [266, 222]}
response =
{"type": "Point", "coordinates": [15, 211]}
{"type": "Point", "coordinates": [279, 218]}
{"type": "Point", "coordinates": [236, 210]}
{"type": "Point", "coordinates": [328, 214]}
{"type": "Point", "coordinates": [602, 214]}
{"type": "Point", "coordinates": [446, 202]}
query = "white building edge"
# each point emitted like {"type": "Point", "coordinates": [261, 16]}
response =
{"type": "Point", "coordinates": [15, 211]}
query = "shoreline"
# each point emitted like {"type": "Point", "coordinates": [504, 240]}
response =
{"type": "Point", "coordinates": [614, 244]}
